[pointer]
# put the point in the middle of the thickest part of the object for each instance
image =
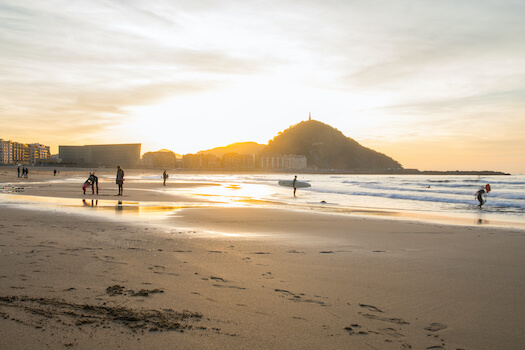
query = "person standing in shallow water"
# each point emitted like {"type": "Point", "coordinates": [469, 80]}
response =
{"type": "Point", "coordinates": [479, 197]}
{"type": "Point", "coordinates": [293, 184]}
{"type": "Point", "coordinates": [165, 176]}
{"type": "Point", "coordinates": [120, 180]}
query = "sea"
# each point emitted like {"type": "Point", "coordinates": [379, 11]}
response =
{"type": "Point", "coordinates": [431, 197]}
{"type": "Point", "coordinates": [439, 198]}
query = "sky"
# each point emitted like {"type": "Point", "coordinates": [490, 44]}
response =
{"type": "Point", "coordinates": [434, 84]}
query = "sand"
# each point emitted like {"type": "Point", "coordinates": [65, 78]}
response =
{"type": "Point", "coordinates": [216, 277]}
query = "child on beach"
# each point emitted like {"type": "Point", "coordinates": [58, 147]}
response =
{"type": "Point", "coordinates": [86, 184]}
{"type": "Point", "coordinates": [91, 181]}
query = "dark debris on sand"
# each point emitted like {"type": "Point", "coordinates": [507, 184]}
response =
{"type": "Point", "coordinates": [96, 315]}
{"type": "Point", "coordinates": [120, 290]}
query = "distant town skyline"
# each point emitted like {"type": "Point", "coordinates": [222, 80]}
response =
{"type": "Point", "coordinates": [434, 85]}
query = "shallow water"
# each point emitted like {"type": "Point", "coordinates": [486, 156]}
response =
{"type": "Point", "coordinates": [430, 198]}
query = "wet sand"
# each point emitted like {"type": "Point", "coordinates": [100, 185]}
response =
{"type": "Point", "coordinates": [254, 277]}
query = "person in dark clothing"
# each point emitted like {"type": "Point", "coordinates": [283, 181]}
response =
{"type": "Point", "coordinates": [479, 197]}
{"type": "Point", "coordinates": [165, 176]}
{"type": "Point", "coordinates": [120, 180]}
{"type": "Point", "coordinates": [94, 182]}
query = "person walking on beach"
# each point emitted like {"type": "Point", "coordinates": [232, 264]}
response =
{"type": "Point", "coordinates": [293, 184]}
{"type": "Point", "coordinates": [120, 180]}
{"type": "Point", "coordinates": [19, 171]}
{"type": "Point", "coordinates": [165, 176]}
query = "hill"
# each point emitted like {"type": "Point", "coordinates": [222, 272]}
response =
{"type": "Point", "coordinates": [239, 147]}
{"type": "Point", "coordinates": [327, 148]}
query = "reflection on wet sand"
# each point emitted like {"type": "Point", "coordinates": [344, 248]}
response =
{"type": "Point", "coordinates": [94, 203]}
{"type": "Point", "coordinates": [134, 208]}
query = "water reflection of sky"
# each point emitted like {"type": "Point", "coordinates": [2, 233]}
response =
{"type": "Point", "coordinates": [228, 193]}
{"type": "Point", "coordinates": [90, 206]}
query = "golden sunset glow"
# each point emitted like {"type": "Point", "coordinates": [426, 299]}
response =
{"type": "Point", "coordinates": [436, 86]}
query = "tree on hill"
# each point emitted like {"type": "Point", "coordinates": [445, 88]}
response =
{"type": "Point", "coordinates": [327, 148]}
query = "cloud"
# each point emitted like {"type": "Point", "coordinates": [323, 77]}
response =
{"type": "Point", "coordinates": [75, 69]}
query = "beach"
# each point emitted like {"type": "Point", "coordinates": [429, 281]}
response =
{"type": "Point", "coordinates": [96, 273]}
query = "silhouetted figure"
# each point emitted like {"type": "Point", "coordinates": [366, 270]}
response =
{"type": "Point", "coordinates": [87, 183]}
{"type": "Point", "coordinates": [479, 197]}
{"type": "Point", "coordinates": [293, 184]}
{"type": "Point", "coordinates": [94, 182]}
{"type": "Point", "coordinates": [165, 176]}
{"type": "Point", "coordinates": [55, 172]}
{"type": "Point", "coordinates": [18, 171]}
{"type": "Point", "coordinates": [120, 180]}
{"type": "Point", "coordinates": [481, 193]}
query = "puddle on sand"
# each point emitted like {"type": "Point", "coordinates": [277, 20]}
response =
{"type": "Point", "coordinates": [98, 206]}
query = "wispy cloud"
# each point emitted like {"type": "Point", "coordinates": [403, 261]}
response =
{"type": "Point", "coordinates": [425, 67]}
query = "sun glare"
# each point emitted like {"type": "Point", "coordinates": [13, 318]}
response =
{"type": "Point", "coordinates": [249, 110]}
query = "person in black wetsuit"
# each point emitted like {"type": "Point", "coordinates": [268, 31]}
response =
{"type": "Point", "coordinates": [479, 197]}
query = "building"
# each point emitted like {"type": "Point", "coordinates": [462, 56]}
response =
{"type": "Point", "coordinates": [238, 161]}
{"type": "Point", "coordinates": [20, 153]}
{"type": "Point", "coordinates": [282, 162]}
{"type": "Point", "coordinates": [38, 153]}
{"type": "Point", "coordinates": [163, 159]}
{"type": "Point", "coordinates": [200, 161]}
{"type": "Point", "coordinates": [125, 155]}
{"type": "Point", "coordinates": [6, 152]}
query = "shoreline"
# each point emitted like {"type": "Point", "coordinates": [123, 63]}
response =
{"type": "Point", "coordinates": [178, 194]}
{"type": "Point", "coordinates": [273, 171]}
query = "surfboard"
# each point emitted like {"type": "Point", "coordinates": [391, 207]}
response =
{"type": "Point", "coordinates": [298, 184]}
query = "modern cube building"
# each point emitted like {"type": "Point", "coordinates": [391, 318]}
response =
{"type": "Point", "coordinates": [125, 155]}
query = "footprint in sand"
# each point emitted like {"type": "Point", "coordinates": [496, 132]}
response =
{"type": "Point", "coordinates": [391, 332]}
{"type": "Point", "coordinates": [355, 330]}
{"type": "Point", "coordinates": [370, 307]}
{"type": "Point", "coordinates": [231, 287]}
{"type": "Point", "coordinates": [435, 327]}
{"type": "Point", "coordinates": [299, 297]}
{"type": "Point", "coordinates": [217, 279]}
{"type": "Point", "coordinates": [385, 319]}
